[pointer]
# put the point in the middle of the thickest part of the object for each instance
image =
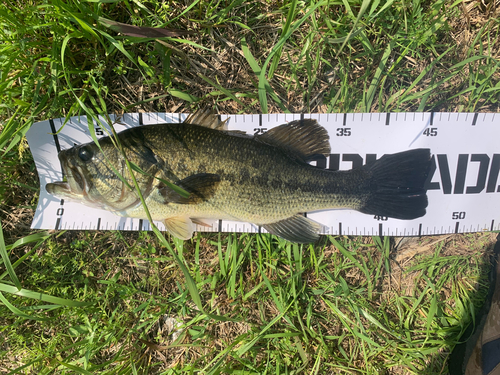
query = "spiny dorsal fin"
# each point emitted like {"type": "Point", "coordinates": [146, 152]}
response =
{"type": "Point", "coordinates": [207, 119]}
{"type": "Point", "coordinates": [302, 138]}
{"type": "Point", "coordinates": [295, 229]}
{"type": "Point", "coordinates": [199, 186]}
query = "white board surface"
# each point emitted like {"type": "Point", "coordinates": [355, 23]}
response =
{"type": "Point", "coordinates": [464, 191]}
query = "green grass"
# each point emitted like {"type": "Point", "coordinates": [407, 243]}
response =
{"type": "Point", "coordinates": [94, 302]}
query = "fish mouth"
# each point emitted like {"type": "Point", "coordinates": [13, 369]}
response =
{"type": "Point", "coordinates": [61, 189]}
{"type": "Point", "coordinates": [55, 187]}
{"type": "Point", "coordinates": [75, 187]}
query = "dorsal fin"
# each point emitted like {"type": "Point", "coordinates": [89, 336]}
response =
{"type": "Point", "coordinates": [207, 119]}
{"type": "Point", "coordinates": [300, 138]}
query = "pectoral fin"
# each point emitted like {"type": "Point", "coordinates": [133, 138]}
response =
{"type": "Point", "coordinates": [199, 186]}
{"type": "Point", "coordinates": [180, 227]}
{"type": "Point", "coordinates": [295, 229]}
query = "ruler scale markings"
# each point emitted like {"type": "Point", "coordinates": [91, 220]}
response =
{"type": "Point", "coordinates": [419, 230]}
{"type": "Point", "coordinates": [340, 228]}
{"type": "Point", "coordinates": [456, 226]}
{"type": "Point", "coordinates": [60, 210]}
{"type": "Point", "coordinates": [139, 226]}
{"type": "Point", "coordinates": [452, 176]}
{"type": "Point", "coordinates": [98, 224]}
{"type": "Point", "coordinates": [220, 226]}
{"type": "Point", "coordinates": [380, 230]}
{"type": "Point", "coordinates": [474, 120]}
{"type": "Point", "coordinates": [54, 134]}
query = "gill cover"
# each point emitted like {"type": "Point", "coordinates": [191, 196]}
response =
{"type": "Point", "coordinates": [92, 175]}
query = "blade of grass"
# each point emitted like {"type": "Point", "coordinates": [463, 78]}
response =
{"type": "Point", "coordinates": [24, 241]}
{"type": "Point", "coordinates": [41, 296]}
{"type": "Point", "coordinates": [18, 312]}
{"type": "Point", "coordinates": [284, 31]}
{"type": "Point", "coordinates": [249, 57]}
{"type": "Point", "coordinates": [242, 350]}
{"type": "Point", "coordinates": [264, 86]}
{"type": "Point", "coordinates": [6, 261]}
{"type": "Point", "coordinates": [228, 93]}
{"type": "Point", "coordinates": [370, 93]}
{"type": "Point", "coordinates": [182, 95]}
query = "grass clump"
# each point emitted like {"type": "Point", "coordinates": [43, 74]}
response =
{"type": "Point", "coordinates": [120, 303]}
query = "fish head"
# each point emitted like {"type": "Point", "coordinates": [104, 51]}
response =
{"type": "Point", "coordinates": [98, 177]}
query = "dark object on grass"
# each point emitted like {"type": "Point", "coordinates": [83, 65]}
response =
{"type": "Point", "coordinates": [480, 354]}
{"type": "Point", "coordinates": [142, 31]}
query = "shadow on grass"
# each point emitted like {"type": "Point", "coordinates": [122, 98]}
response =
{"type": "Point", "coordinates": [461, 353]}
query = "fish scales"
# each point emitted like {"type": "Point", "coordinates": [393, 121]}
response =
{"type": "Point", "coordinates": [259, 183]}
{"type": "Point", "coordinates": [265, 180]}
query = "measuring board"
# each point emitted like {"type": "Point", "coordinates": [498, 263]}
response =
{"type": "Point", "coordinates": [463, 186]}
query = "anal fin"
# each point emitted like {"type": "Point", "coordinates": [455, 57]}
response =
{"type": "Point", "coordinates": [297, 228]}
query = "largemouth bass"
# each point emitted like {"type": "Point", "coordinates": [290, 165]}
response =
{"type": "Point", "coordinates": [264, 179]}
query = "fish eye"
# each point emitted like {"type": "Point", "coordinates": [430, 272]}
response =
{"type": "Point", "coordinates": [85, 154]}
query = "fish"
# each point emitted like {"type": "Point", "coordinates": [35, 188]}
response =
{"type": "Point", "coordinates": [266, 179]}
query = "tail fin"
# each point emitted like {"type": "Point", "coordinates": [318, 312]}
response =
{"type": "Point", "coordinates": [397, 185]}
